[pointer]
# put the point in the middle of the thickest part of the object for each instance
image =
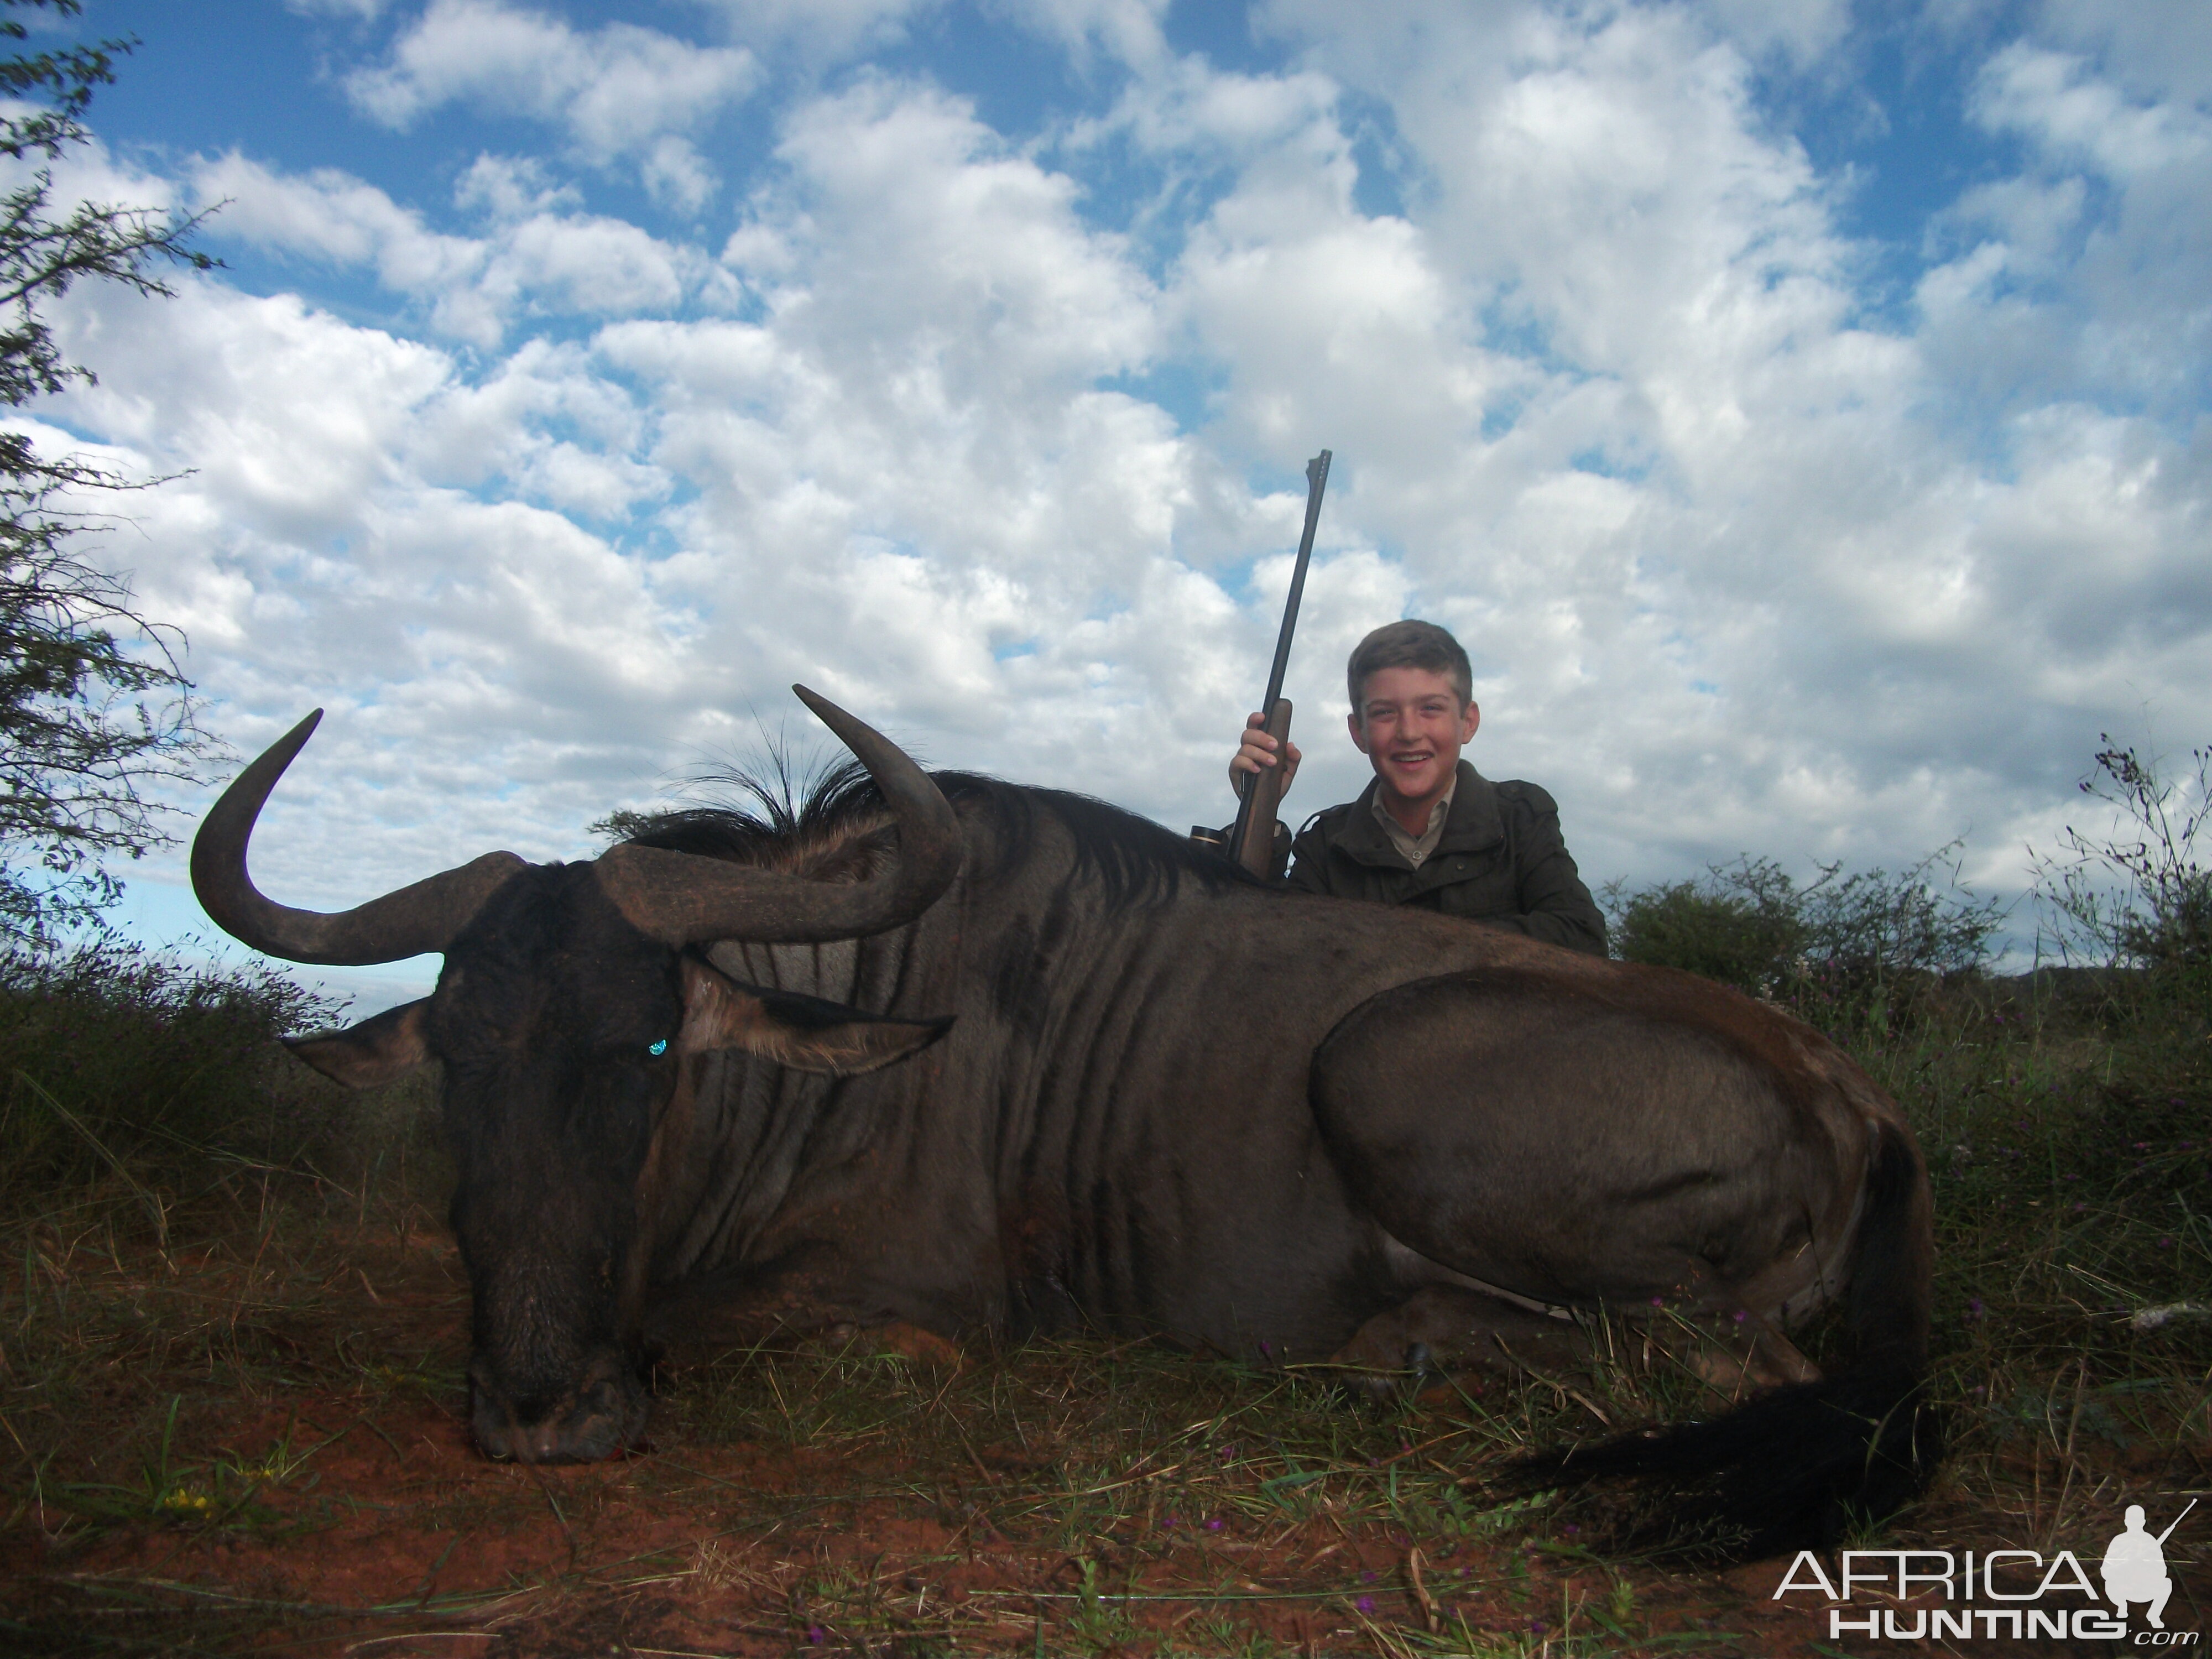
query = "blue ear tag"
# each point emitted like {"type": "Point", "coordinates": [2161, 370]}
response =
{"type": "Point", "coordinates": [660, 1047]}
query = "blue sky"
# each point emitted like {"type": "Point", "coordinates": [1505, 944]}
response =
{"type": "Point", "coordinates": [1799, 410]}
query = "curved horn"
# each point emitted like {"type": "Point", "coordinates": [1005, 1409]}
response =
{"type": "Point", "coordinates": [682, 898]}
{"type": "Point", "coordinates": [415, 920]}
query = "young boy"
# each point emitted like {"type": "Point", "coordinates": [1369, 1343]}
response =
{"type": "Point", "coordinates": [1430, 830]}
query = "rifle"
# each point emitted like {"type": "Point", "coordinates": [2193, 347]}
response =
{"type": "Point", "coordinates": [1252, 841]}
{"type": "Point", "coordinates": [2178, 1520]}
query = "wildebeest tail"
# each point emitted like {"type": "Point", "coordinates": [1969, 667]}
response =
{"type": "Point", "coordinates": [1797, 1467]}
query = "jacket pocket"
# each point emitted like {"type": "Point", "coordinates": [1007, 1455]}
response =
{"type": "Point", "coordinates": [1470, 884]}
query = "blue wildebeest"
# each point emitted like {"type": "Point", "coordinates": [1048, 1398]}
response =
{"type": "Point", "coordinates": [955, 1055]}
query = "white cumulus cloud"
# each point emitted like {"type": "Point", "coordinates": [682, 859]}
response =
{"type": "Point", "coordinates": [619, 92]}
{"type": "Point", "coordinates": [537, 254]}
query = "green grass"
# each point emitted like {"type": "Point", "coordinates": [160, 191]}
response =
{"type": "Point", "coordinates": [2072, 1153]}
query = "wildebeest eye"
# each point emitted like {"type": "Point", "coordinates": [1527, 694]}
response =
{"type": "Point", "coordinates": [658, 1049]}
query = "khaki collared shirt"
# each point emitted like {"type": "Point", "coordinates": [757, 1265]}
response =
{"type": "Point", "coordinates": [1415, 849]}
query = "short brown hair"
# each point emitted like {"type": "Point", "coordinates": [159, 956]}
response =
{"type": "Point", "coordinates": [1408, 644]}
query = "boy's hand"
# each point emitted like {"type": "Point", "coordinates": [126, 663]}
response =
{"type": "Point", "coordinates": [1258, 749]}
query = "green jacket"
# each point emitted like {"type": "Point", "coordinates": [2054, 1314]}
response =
{"type": "Point", "coordinates": [1501, 861]}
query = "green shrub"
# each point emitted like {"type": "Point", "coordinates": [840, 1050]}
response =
{"type": "Point", "coordinates": [1738, 925]}
{"type": "Point", "coordinates": [1842, 950]}
{"type": "Point", "coordinates": [116, 1062]}
{"type": "Point", "coordinates": [2136, 896]}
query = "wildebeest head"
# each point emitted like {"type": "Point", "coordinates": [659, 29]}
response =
{"type": "Point", "coordinates": [573, 998]}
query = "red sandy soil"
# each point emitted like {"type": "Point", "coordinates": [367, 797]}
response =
{"type": "Point", "coordinates": [394, 1536]}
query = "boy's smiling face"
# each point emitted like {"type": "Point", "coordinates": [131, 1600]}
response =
{"type": "Point", "coordinates": [1411, 725]}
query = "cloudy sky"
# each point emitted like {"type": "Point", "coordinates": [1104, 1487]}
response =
{"type": "Point", "coordinates": [1798, 408]}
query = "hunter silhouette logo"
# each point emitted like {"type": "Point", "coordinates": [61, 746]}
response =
{"type": "Point", "coordinates": [1915, 1596]}
{"type": "Point", "coordinates": [2135, 1566]}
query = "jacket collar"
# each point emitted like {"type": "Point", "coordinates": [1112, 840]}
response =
{"type": "Point", "coordinates": [1474, 823]}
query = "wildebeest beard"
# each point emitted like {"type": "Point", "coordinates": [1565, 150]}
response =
{"type": "Point", "coordinates": [545, 1016]}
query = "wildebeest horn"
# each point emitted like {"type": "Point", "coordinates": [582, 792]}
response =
{"type": "Point", "coordinates": [681, 898]}
{"type": "Point", "coordinates": [422, 918]}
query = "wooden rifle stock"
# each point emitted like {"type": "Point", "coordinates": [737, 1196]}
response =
{"type": "Point", "coordinates": [1256, 850]}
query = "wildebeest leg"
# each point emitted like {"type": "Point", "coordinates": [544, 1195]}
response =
{"type": "Point", "coordinates": [1447, 1328]}
{"type": "Point", "coordinates": [1576, 1153]}
{"type": "Point", "coordinates": [1444, 1327]}
{"type": "Point", "coordinates": [1735, 1358]}
{"type": "Point", "coordinates": [814, 1295]}
{"type": "Point", "coordinates": [899, 1340]}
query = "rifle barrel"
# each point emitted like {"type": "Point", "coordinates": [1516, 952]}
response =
{"type": "Point", "coordinates": [1316, 482]}
{"type": "Point", "coordinates": [2178, 1520]}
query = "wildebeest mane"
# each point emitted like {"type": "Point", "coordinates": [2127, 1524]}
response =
{"type": "Point", "coordinates": [1132, 860]}
{"type": "Point", "coordinates": [770, 808]}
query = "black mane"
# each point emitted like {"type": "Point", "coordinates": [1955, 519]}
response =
{"type": "Point", "coordinates": [769, 816]}
{"type": "Point", "coordinates": [1134, 860]}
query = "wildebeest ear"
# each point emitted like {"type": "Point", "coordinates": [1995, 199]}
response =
{"type": "Point", "coordinates": [385, 1046]}
{"type": "Point", "coordinates": [804, 1033]}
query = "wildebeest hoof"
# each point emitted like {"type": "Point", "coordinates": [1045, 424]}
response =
{"type": "Point", "coordinates": [1379, 1364]}
{"type": "Point", "coordinates": [1369, 1388]}
{"type": "Point", "coordinates": [1442, 1330]}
